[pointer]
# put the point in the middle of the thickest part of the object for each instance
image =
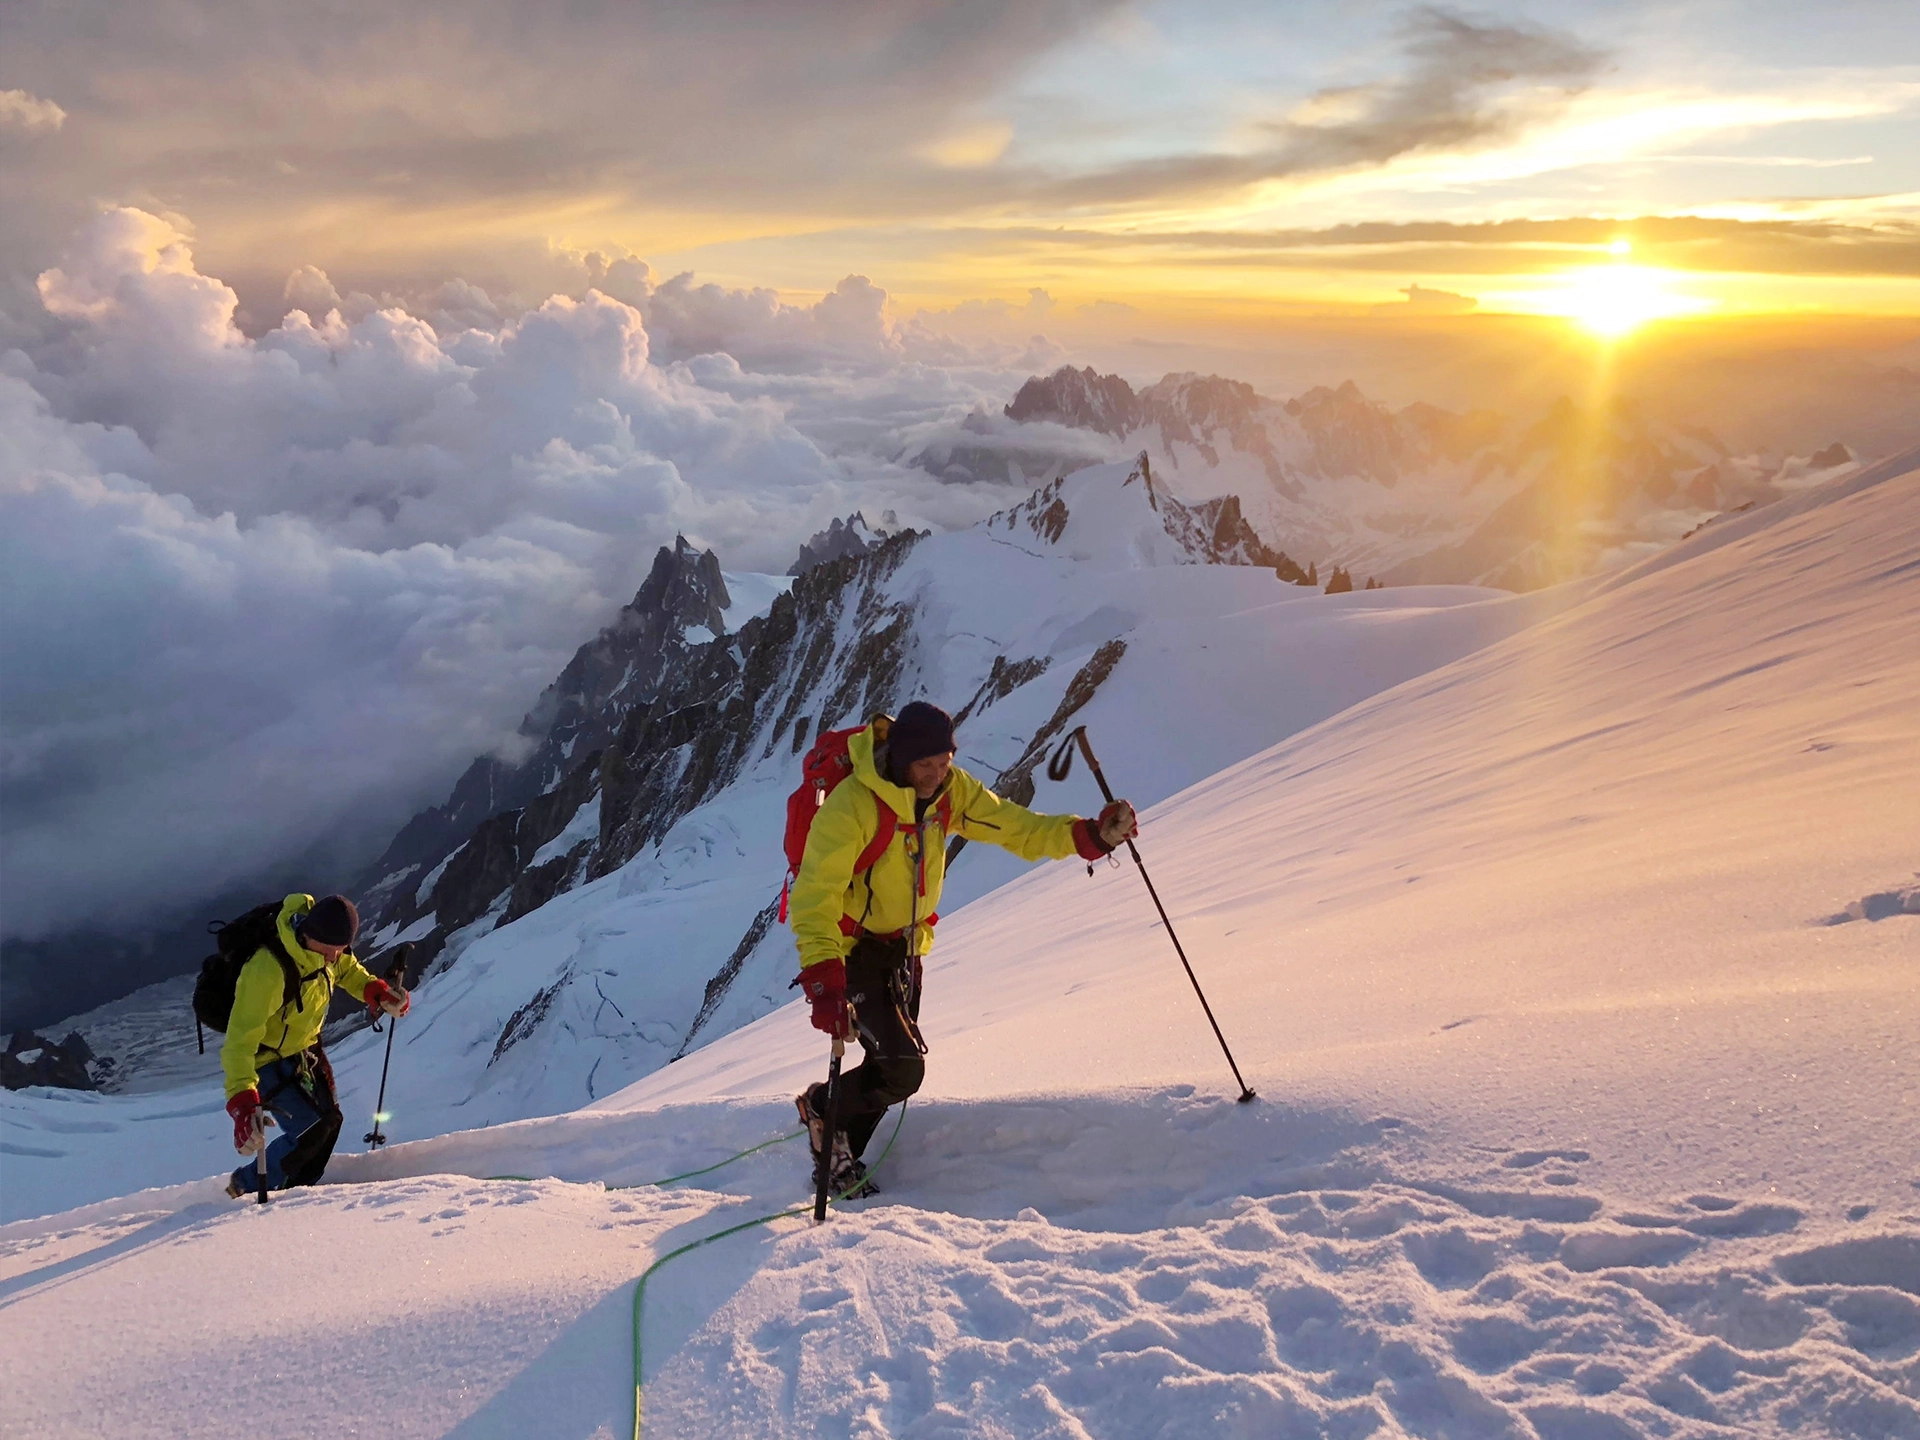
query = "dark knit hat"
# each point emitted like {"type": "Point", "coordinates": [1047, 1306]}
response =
{"type": "Point", "coordinates": [918, 731]}
{"type": "Point", "coordinates": [332, 921]}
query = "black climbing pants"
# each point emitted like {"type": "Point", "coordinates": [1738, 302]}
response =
{"type": "Point", "coordinates": [884, 987]}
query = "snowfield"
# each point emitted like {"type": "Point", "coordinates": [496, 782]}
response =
{"type": "Point", "coordinates": [1580, 981]}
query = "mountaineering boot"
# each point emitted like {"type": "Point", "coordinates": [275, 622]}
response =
{"type": "Point", "coordinates": [846, 1176]}
{"type": "Point", "coordinates": [808, 1104]}
{"type": "Point", "coordinates": [849, 1180]}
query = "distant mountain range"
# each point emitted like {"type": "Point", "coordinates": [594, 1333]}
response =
{"type": "Point", "coordinates": [1415, 495]}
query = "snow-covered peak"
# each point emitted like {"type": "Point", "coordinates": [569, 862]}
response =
{"type": "Point", "coordinates": [682, 604]}
{"type": "Point", "coordinates": [1186, 405]}
{"type": "Point", "coordinates": [1345, 433]}
{"type": "Point", "coordinates": [841, 538]}
{"type": "Point", "coordinates": [1079, 399]}
{"type": "Point", "coordinates": [1116, 517]}
{"type": "Point", "coordinates": [684, 588]}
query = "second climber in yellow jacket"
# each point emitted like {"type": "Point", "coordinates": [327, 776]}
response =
{"type": "Point", "coordinates": [867, 895]}
{"type": "Point", "coordinates": [273, 1038]}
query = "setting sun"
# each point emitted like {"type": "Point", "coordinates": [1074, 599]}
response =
{"type": "Point", "coordinates": [1611, 300]}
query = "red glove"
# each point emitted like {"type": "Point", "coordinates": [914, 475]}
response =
{"type": "Point", "coordinates": [243, 1107]}
{"type": "Point", "coordinates": [1102, 836]}
{"type": "Point", "coordinates": [382, 998]}
{"type": "Point", "coordinates": [824, 983]}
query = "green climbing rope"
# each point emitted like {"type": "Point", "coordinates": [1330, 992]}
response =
{"type": "Point", "coordinates": [640, 1289]}
{"type": "Point", "coordinates": [708, 1170]}
{"type": "Point", "coordinates": [688, 1175]}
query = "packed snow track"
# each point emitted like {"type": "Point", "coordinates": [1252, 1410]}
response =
{"type": "Point", "coordinates": [1120, 1265]}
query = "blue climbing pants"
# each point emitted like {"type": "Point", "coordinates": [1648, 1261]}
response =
{"type": "Point", "coordinates": [298, 1091]}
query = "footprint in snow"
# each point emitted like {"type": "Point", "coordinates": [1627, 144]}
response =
{"type": "Point", "coordinates": [1881, 905]}
{"type": "Point", "coordinates": [1527, 1159]}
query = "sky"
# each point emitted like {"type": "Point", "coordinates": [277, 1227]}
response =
{"type": "Point", "coordinates": [1182, 158]}
{"type": "Point", "coordinates": [354, 361]}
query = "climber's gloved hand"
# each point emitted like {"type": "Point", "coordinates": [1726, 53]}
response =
{"type": "Point", "coordinates": [1117, 824]}
{"type": "Point", "coordinates": [384, 999]}
{"type": "Point", "coordinates": [824, 983]}
{"type": "Point", "coordinates": [245, 1109]}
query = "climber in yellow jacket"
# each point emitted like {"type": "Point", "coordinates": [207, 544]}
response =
{"type": "Point", "coordinates": [273, 1039]}
{"type": "Point", "coordinates": [862, 922]}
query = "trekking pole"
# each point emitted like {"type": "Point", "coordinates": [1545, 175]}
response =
{"type": "Point", "coordinates": [823, 1164]}
{"type": "Point", "coordinates": [1057, 770]}
{"type": "Point", "coordinates": [373, 1137]}
{"type": "Point", "coordinates": [260, 1122]}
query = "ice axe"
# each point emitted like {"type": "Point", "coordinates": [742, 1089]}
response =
{"type": "Point", "coordinates": [1058, 769]}
{"type": "Point", "coordinates": [396, 973]}
{"type": "Point", "coordinates": [261, 1120]}
{"type": "Point", "coordinates": [823, 1164]}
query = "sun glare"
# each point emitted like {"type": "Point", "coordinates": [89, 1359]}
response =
{"type": "Point", "coordinates": [1612, 300]}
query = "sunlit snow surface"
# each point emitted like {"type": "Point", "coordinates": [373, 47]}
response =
{"type": "Point", "coordinates": [1580, 1116]}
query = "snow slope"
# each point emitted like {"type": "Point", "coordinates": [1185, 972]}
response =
{"type": "Point", "coordinates": [1579, 982]}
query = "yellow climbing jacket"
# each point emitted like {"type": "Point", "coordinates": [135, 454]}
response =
{"type": "Point", "coordinates": [265, 1026]}
{"type": "Point", "coordinates": [833, 902]}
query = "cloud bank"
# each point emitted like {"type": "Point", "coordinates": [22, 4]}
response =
{"type": "Point", "coordinates": [258, 590]}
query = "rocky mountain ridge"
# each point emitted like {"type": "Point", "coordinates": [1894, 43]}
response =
{"type": "Point", "coordinates": [680, 605]}
{"type": "Point", "coordinates": [841, 539]}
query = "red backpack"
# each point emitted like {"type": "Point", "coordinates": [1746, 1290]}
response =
{"type": "Point", "coordinates": [826, 765]}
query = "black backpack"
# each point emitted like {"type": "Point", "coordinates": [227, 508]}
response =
{"type": "Point", "coordinates": [220, 972]}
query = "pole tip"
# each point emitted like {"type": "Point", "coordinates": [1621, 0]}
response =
{"type": "Point", "coordinates": [1245, 1097]}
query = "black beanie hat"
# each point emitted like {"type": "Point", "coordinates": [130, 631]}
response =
{"type": "Point", "coordinates": [332, 921]}
{"type": "Point", "coordinates": [920, 730]}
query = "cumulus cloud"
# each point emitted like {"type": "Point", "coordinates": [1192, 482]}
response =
{"type": "Point", "coordinates": [260, 588]}
{"type": "Point", "coordinates": [24, 111]}
{"type": "Point", "coordinates": [849, 326]}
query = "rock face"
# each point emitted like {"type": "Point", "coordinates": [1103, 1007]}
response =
{"type": "Point", "coordinates": [1348, 434]}
{"type": "Point", "coordinates": [1079, 399]}
{"type": "Point", "coordinates": [1209, 412]}
{"type": "Point", "coordinates": [464, 846]}
{"type": "Point", "coordinates": [830, 650]}
{"type": "Point", "coordinates": [32, 1060]}
{"type": "Point", "coordinates": [839, 541]}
